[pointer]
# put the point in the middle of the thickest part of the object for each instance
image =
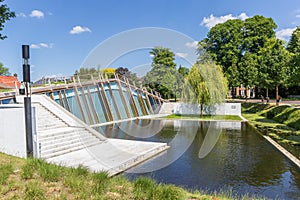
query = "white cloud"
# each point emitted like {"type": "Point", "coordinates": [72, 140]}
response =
{"type": "Point", "coordinates": [298, 16]}
{"type": "Point", "coordinates": [243, 16]}
{"type": "Point", "coordinates": [21, 15]}
{"type": "Point", "coordinates": [181, 55]}
{"type": "Point", "coordinates": [79, 29]}
{"type": "Point", "coordinates": [35, 46]}
{"type": "Point", "coordinates": [211, 21]}
{"type": "Point", "coordinates": [37, 13]}
{"type": "Point", "coordinates": [41, 45]}
{"type": "Point", "coordinates": [193, 45]}
{"type": "Point", "coordinates": [285, 34]}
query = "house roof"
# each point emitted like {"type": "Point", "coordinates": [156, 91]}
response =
{"type": "Point", "coordinates": [7, 82]}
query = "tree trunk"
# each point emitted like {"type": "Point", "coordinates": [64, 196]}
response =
{"type": "Point", "coordinates": [267, 92]}
{"type": "Point", "coordinates": [201, 110]}
{"type": "Point", "coordinates": [277, 96]}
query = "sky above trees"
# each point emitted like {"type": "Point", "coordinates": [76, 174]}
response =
{"type": "Point", "coordinates": [63, 33]}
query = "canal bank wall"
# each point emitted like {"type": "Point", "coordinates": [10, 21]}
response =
{"type": "Point", "coordinates": [194, 109]}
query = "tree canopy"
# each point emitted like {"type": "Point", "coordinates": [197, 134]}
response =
{"type": "Point", "coordinates": [5, 15]}
{"type": "Point", "coordinates": [163, 76]}
{"type": "Point", "coordinates": [4, 70]}
{"type": "Point", "coordinates": [294, 48]}
{"type": "Point", "coordinates": [124, 72]}
{"type": "Point", "coordinates": [205, 85]}
{"type": "Point", "coordinates": [249, 52]}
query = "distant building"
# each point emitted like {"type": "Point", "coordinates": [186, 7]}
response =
{"type": "Point", "coordinates": [241, 92]}
{"type": "Point", "coordinates": [9, 82]}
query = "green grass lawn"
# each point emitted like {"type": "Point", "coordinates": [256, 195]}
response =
{"type": "Point", "coordinates": [204, 117]}
{"type": "Point", "coordinates": [31, 179]}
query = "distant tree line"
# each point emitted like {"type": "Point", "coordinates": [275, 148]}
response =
{"type": "Point", "coordinates": [251, 55]}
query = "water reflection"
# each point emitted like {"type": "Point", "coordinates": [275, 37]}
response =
{"type": "Point", "coordinates": [239, 158]}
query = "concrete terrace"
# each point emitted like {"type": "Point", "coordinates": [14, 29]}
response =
{"type": "Point", "coordinates": [63, 139]}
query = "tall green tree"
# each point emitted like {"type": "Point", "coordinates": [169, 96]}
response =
{"type": "Point", "coordinates": [183, 71]}
{"type": "Point", "coordinates": [224, 43]}
{"type": "Point", "coordinates": [275, 64]}
{"type": "Point", "coordinates": [235, 45]}
{"type": "Point", "coordinates": [163, 75]}
{"type": "Point", "coordinates": [205, 85]}
{"type": "Point", "coordinates": [294, 43]}
{"type": "Point", "coordinates": [4, 70]}
{"type": "Point", "coordinates": [5, 15]}
{"type": "Point", "coordinates": [256, 32]}
{"type": "Point", "coordinates": [248, 71]}
{"type": "Point", "coordinates": [294, 47]}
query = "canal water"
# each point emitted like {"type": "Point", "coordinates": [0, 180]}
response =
{"type": "Point", "coordinates": [212, 156]}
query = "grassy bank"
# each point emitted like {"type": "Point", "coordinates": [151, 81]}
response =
{"type": "Point", "coordinates": [204, 117]}
{"type": "Point", "coordinates": [35, 179]}
{"type": "Point", "coordinates": [282, 123]}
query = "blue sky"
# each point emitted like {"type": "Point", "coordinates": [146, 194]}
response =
{"type": "Point", "coordinates": [62, 33]}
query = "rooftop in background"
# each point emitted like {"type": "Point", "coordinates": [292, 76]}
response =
{"type": "Point", "coordinates": [9, 82]}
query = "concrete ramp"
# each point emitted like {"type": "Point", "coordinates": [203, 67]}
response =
{"type": "Point", "coordinates": [63, 139]}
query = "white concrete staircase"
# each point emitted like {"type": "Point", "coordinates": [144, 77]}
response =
{"type": "Point", "coordinates": [56, 137]}
{"type": "Point", "coordinates": [61, 138]}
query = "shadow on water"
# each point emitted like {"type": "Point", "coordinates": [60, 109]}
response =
{"type": "Point", "coordinates": [212, 156]}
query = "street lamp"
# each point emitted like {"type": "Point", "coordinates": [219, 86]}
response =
{"type": "Point", "coordinates": [27, 100]}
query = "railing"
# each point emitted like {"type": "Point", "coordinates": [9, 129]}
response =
{"type": "Point", "coordinates": [104, 100]}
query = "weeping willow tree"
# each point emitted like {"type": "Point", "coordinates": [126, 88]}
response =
{"type": "Point", "coordinates": [205, 85]}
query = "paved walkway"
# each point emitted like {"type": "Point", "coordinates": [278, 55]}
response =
{"type": "Point", "coordinates": [291, 102]}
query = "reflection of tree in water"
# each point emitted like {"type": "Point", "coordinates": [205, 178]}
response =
{"type": "Point", "coordinates": [268, 165]}
{"type": "Point", "coordinates": [241, 157]}
{"type": "Point", "coordinates": [296, 174]}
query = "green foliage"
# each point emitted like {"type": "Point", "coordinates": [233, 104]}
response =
{"type": "Point", "coordinates": [257, 31]}
{"type": "Point", "coordinates": [125, 73]}
{"type": "Point", "coordinates": [163, 76]}
{"type": "Point", "coordinates": [5, 171]}
{"type": "Point", "coordinates": [108, 72]}
{"type": "Point", "coordinates": [224, 43]}
{"type": "Point", "coordinates": [294, 48]}
{"type": "Point", "coordinates": [274, 63]}
{"type": "Point", "coordinates": [184, 71]}
{"type": "Point", "coordinates": [248, 72]}
{"type": "Point", "coordinates": [242, 48]}
{"type": "Point", "coordinates": [4, 70]}
{"type": "Point", "coordinates": [34, 191]}
{"type": "Point", "coordinates": [294, 43]}
{"type": "Point", "coordinates": [162, 56]}
{"type": "Point", "coordinates": [205, 85]}
{"type": "Point", "coordinates": [5, 15]}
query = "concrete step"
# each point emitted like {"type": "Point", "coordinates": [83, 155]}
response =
{"type": "Point", "coordinates": [58, 131]}
{"type": "Point", "coordinates": [51, 154]}
{"type": "Point", "coordinates": [63, 137]}
{"type": "Point", "coordinates": [45, 127]}
{"type": "Point", "coordinates": [58, 144]}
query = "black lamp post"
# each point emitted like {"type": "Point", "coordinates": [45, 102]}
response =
{"type": "Point", "coordinates": [27, 101]}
